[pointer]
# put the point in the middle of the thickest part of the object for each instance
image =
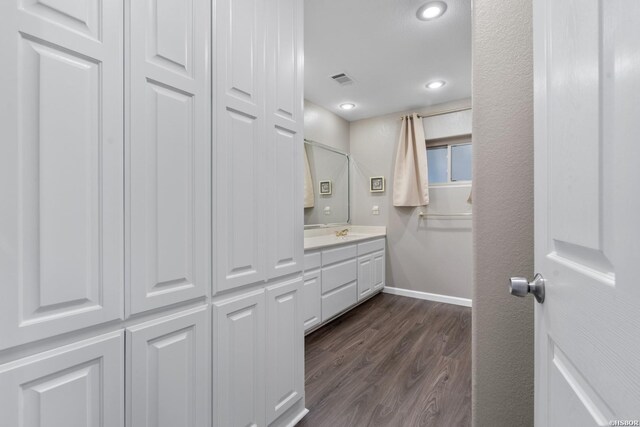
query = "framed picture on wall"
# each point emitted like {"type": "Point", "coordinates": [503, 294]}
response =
{"type": "Point", "coordinates": [325, 188]}
{"type": "Point", "coordinates": [376, 184]}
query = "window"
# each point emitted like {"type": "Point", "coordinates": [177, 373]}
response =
{"type": "Point", "coordinates": [449, 164]}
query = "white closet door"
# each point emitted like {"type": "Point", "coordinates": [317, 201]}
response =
{"type": "Point", "coordinates": [169, 371]}
{"type": "Point", "coordinates": [61, 166]}
{"type": "Point", "coordinates": [285, 137]}
{"type": "Point", "coordinates": [239, 361]}
{"type": "Point", "coordinates": [169, 171]}
{"type": "Point", "coordinates": [285, 347]}
{"type": "Point", "coordinates": [77, 385]}
{"type": "Point", "coordinates": [240, 143]}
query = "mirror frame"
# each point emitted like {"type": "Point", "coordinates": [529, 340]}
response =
{"type": "Point", "coordinates": [329, 148]}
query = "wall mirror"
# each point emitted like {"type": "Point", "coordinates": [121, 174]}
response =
{"type": "Point", "coordinates": [326, 185]}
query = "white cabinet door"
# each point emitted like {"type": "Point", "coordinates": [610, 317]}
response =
{"type": "Point", "coordinates": [311, 299]}
{"type": "Point", "coordinates": [77, 385]}
{"type": "Point", "coordinates": [284, 137]}
{"type": "Point", "coordinates": [169, 145]}
{"type": "Point", "coordinates": [285, 347]}
{"type": "Point", "coordinates": [365, 276]}
{"type": "Point", "coordinates": [240, 152]}
{"type": "Point", "coordinates": [239, 361]}
{"type": "Point", "coordinates": [168, 371]}
{"type": "Point", "coordinates": [61, 166]}
{"type": "Point", "coordinates": [378, 270]}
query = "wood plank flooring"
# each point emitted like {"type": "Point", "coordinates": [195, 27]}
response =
{"type": "Point", "coordinates": [392, 361]}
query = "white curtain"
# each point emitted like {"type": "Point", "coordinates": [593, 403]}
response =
{"type": "Point", "coordinates": [410, 178]}
{"type": "Point", "coordinates": [308, 183]}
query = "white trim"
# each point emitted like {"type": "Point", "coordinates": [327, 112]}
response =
{"type": "Point", "coordinates": [427, 296]}
{"type": "Point", "coordinates": [298, 417]}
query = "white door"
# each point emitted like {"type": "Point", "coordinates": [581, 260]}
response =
{"type": "Point", "coordinates": [587, 227]}
{"type": "Point", "coordinates": [378, 270]}
{"type": "Point", "coordinates": [168, 371]}
{"type": "Point", "coordinates": [240, 150]}
{"type": "Point", "coordinates": [311, 299]}
{"type": "Point", "coordinates": [285, 124]}
{"type": "Point", "coordinates": [239, 360]}
{"type": "Point", "coordinates": [285, 347]}
{"type": "Point", "coordinates": [61, 167]}
{"type": "Point", "coordinates": [365, 276]}
{"type": "Point", "coordinates": [77, 385]}
{"type": "Point", "coordinates": [169, 145]}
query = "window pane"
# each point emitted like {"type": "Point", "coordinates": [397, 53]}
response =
{"type": "Point", "coordinates": [437, 164]}
{"type": "Point", "coordinates": [461, 162]}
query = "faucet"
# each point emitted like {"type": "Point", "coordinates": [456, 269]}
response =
{"type": "Point", "coordinates": [342, 233]}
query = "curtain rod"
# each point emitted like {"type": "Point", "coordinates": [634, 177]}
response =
{"type": "Point", "coordinates": [440, 113]}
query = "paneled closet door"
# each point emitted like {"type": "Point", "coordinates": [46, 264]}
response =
{"type": "Point", "coordinates": [285, 123]}
{"type": "Point", "coordinates": [240, 181]}
{"type": "Point", "coordinates": [169, 171]}
{"type": "Point", "coordinates": [239, 361]}
{"type": "Point", "coordinates": [285, 347]}
{"type": "Point", "coordinates": [169, 376]}
{"type": "Point", "coordinates": [61, 166]}
{"type": "Point", "coordinates": [76, 385]}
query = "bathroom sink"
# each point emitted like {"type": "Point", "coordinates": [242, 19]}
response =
{"type": "Point", "coordinates": [330, 239]}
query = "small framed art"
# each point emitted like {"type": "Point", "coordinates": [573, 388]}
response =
{"type": "Point", "coordinates": [376, 184]}
{"type": "Point", "coordinates": [325, 188]}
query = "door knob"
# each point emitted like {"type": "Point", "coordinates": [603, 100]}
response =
{"type": "Point", "coordinates": [520, 287]}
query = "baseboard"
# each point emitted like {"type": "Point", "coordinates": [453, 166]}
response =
{"type": "Point", "coordinates": [298, 418]}
{"type": "Point", "coordinates": [427, 296]}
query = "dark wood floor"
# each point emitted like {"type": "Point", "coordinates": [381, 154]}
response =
{"type": "Point", "coordinates": [393, 361]}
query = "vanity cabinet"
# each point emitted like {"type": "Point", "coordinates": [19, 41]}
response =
{"type": "Point", "coordinates": [339, 281]}
{"type": "Point", "coordinates": [339, 277]}
{"type": "Point", "coordinates": [371, 265]}
{"type": "Point", "coordinates": [311, 290]}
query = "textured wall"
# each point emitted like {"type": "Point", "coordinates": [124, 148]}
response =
{"type": "Point", "coordinates": [429, 256]}
{"type": "Point", "coordinates": [321, 125]}
{"type": "Point", "coordinates": [503, 212]}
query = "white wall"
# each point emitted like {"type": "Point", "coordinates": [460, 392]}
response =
{"type": "Point", "coordinates": [502, 326]}
{"type": "Point", "coordinates": [323, 126]}
{"type": "Point", "coordinates": [433, 255]}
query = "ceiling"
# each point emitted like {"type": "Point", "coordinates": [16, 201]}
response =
{"type": "Point", "coordinates": [388, 52]}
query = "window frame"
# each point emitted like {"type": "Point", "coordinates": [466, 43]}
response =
{"type": "Point", "coordinates": [449, 182]}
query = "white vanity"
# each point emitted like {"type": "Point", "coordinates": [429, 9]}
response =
{"type": "Point", "coordinates": [340, 272]}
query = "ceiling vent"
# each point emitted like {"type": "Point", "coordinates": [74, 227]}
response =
{"type": "Point", "coordinates": [342, 79]}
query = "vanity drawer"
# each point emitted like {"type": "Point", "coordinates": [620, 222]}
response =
{"type": "Point", "coordinates": [312, 260]}
{"type": "Point", "coordinates": [339, 300]}
{"type": "Point", "coordinates": [330, 256]}
{"type": "Point", "coordinates": [370, 246]}
{"type": "Point", "coordinates": [337, 275]}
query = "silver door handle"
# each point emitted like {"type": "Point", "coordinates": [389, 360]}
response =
{"type": "Point", "coordinates": [520, 287]}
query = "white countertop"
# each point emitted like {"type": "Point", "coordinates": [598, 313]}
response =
{"type": "Point", "coordinates": [323, 237]}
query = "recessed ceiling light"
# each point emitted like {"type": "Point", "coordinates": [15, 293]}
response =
{"type": "Point", "coordinates": [436, 84]}
{"type": "Point", "coordinates": [431, 10]}
{"type": "Point", "coordinates": [348, 106]}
